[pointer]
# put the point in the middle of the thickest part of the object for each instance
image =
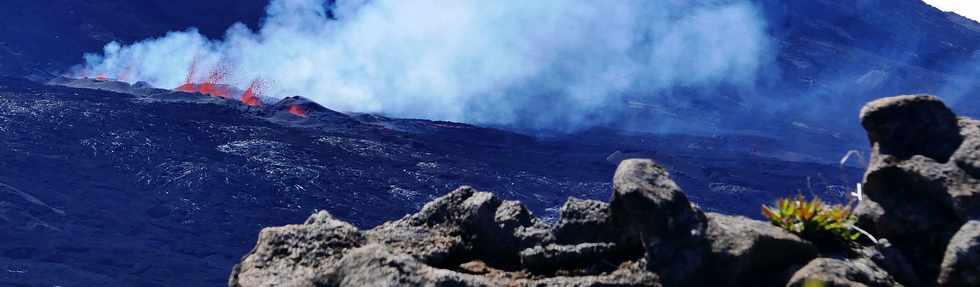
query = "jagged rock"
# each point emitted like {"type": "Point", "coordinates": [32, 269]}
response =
{"type": "Point", "coordinates": [293, 255]}
{"type": "Point", "coordinates": [961, 265]}
{"type": "Point", "coordinates": [439, 246]}
{"type": "Point", "coordinates": [966, 188]}
{"type": "Point", "coordinates": [585, 221]}
{"type": "Point", "coordinates": [512, 215]}
{"type": "Point", "coordinates": [654, 212]}
{"type": "Point", "coordinates": [461, 239]}
{"type": "Point", "coordinates": [834, 272]}
{"type": "Point", "coordinates": [441, 231]}
{"type": "Point", "coordinates": [517, 228]}
{"type": "Point", "coordinates": [915, 195]}
{"type": "Point", "coordinates": [742, 248]}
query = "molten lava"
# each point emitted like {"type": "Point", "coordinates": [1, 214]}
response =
{"type": "Point", "coordinates": [211, 87]}
{"type": "Point", "coordinates": [101, 77]}
{"type": "Point", "coordinates": [297, 110]}
{"type": "Point", "coordinates": [251, 95]}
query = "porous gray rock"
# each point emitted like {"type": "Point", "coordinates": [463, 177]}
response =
{"type": "Point", "coordinates": [465, 238]}
{"type": "Point", "coordinates": [294, 255]}
{"type": "Point", "coordinates": [569, 257]}
{"type": "Point", "coordinates": [653, 212]}
{"type": "Point", "coordinates": [967, 156]}
{"type": "Point", "coordinates": [648, 203]}
{"type": "Point", "coordinates": [833, 272]}
{"type": "Point", "coordinates": [742, 248]}
{"type": "Point", "coordinates": [919, 185]}
{"type": "Point", "coordinates": [961, 264]}
{"type": "Point", "coordinates": [585, 221]}
{"type": "Point", "coordinates": [376, 266]}
{"type": "Point", "coordinates": [891, 259]}
{"type": "Point", "coordinates": [464, 223]}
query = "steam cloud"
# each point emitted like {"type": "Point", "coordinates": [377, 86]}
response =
{"type": "Point", "coordinates": [540, 64]}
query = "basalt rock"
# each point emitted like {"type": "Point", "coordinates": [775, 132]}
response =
{"type": "Point", "coordinates": [833, 272]}
{"type": "Point", "coordinates": [653, 212]}
{"type": "Point", "coordinates": [921, 183]}
{"type": "Point", "coordinates": [585, 221]}
{"type": "Point", "coordinates": [961, 264]}
{"type": "Point", "coordinates": [742, 248]}
{"type": "Point", "coordinates": [294, 255]}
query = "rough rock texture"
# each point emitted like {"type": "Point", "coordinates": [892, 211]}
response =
{"type": "Point", "coordinates": [743, 248]}
{"type": "Point", "coordinates": [293, 255]}
{"type": "Point", "coordinates": [648, 203]}
{"type": "Point", "coordinates": [921, 183]}
{"type": "Point", "coordinates": [465, 238]}
{"type": "Point", "coordinates": [920, 188]}
{"type": "Point", "coordinates": [653, 211]}
{"type": "Point", "coordinates": [961, 265]}
{"type": "Point", "coordinates": [841, 272]}
{"type": "Point", "coordinates": [650, 235]}
{"type": "Point", "coordinates": [585, 221]}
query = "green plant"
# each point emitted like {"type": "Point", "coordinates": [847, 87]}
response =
{"type": "Point", "coordinates": [814, 220]}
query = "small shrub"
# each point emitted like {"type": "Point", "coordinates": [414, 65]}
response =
{"type": "Point", "coordinates": [814, 220]}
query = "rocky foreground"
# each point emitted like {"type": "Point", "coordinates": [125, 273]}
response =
{"type": "Point", "coordinates": [921, 200]}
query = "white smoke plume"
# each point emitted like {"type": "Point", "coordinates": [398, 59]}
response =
{"type": "Point", "coordinates": [543, 64]}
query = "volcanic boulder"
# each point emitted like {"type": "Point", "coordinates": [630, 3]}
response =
{"type": "Point", "coordinates": [920, 185]}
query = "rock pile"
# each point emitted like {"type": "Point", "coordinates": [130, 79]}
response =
{"type": "Point", "coordinates": [922, 188]}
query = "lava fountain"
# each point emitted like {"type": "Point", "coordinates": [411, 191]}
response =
{"type": "Point", "coordinates": [251, 95]}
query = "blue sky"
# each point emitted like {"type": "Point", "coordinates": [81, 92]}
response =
{"type": "Point", "coordinates": [968, 8]}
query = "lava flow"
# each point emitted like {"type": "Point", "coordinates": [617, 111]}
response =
{"type": "Point", "coordinates": [297, 111]}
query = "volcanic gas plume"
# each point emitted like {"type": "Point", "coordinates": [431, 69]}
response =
{"type": "Point", "coordinates": [488, 62]}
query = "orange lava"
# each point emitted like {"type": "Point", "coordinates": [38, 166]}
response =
{"type": "Point", "coordinates": [297, 110]}
{"type": "Point", "coordinates": [251, 95]}
{"type": "Point", "coordinates": [211, 87]}
{"type": "Point", "coordinates": [187, 88]}
{"type": "Point", "coordinates": [101, 77]}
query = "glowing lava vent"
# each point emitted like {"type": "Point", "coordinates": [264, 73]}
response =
{"type": "Point", "coordinates": [297, 110]}
{"type": "Point", "coordinates": [251, 95]}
